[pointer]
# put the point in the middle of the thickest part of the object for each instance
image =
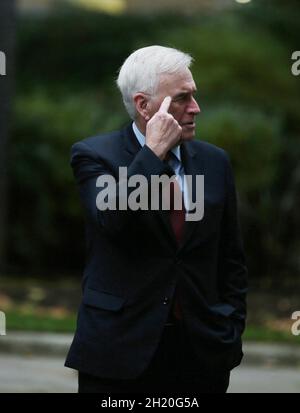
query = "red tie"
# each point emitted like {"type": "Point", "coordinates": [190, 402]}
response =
{"type": "Point", "coordinates": [177, 219]}
{"type": "Point", "coordinates": [177, 216]}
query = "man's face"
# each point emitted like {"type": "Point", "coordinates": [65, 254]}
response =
{"type": "Point", "coordinates": [181, 87]}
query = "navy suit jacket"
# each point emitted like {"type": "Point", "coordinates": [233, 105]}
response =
{"type": "Point", "coordinates": [134, 264]}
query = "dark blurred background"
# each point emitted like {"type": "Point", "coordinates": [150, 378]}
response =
{"type": "Point", "coordinates": [62, 62]}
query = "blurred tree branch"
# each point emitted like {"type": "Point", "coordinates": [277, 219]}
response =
{"type": "Point", "coordinates": [7, 41]}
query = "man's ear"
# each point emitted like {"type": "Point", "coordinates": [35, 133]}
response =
{"type": "Point", "coordinates": [141, 105]}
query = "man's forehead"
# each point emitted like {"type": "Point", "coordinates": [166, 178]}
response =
{"type": "Point", "coordinates": [188, 88]}
{"type": "Point", "coordinates": [178, 82]}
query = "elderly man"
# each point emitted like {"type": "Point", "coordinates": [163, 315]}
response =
{"type": "Point", "coordinates": [163, 305]}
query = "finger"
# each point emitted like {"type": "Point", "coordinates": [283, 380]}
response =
{"type": "Point", "coordinates": [164, 107]}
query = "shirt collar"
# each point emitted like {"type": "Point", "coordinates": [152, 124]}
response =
{"type": "Point", "coordinates": [142, 140]}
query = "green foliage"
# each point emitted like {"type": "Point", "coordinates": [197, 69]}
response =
{"type": "Point", "coordinates": [267, 334]}
{"type": "Point", "coordinates": [44, 201]}
{"type": "Point", "coordinates": [17, 320]}
{"type": "Point", "coordinates": [80, 49]}
{"type": "Point", "coordinates": [20, 321]}
{"type": "Point", "coordinates": [244, 67]}
{"type": "Point", "coordinates": [252, 140]}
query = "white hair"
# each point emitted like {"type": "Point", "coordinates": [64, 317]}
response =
{"type": "Point", "coordinates": [141, 71]}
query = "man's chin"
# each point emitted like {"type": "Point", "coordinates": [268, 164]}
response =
{"type": "Point", "coordinates": [187, 136]}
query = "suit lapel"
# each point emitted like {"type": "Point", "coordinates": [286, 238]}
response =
{"type": "Point", "coordinates": [193, 165]}
{"type": "Point", "coordinates": [131, 144]}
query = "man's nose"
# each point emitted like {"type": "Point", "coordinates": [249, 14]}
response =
{"type": "Point", "coordinates": [194, 107]}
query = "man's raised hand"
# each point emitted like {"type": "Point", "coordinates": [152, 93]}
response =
{"type": "Point", "coordinates": [163, 131]}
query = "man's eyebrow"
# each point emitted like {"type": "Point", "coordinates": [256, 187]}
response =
{"type": "Point", "coordinates": [184, 93]}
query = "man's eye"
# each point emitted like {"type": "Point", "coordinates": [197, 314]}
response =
{"type": "Point", "coordinates": [179, 98]}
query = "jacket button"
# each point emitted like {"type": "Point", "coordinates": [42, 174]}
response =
{"type": "Point", "coordinates": [166, 300]}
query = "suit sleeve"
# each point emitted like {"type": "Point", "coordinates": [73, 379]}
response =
{"type": "Point", "coordinates": [232, 265]}
{"type": "Point", "coordinates": [88, 166]}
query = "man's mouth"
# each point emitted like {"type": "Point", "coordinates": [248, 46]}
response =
{"type": "Point", "coordinates": [189, 124]}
